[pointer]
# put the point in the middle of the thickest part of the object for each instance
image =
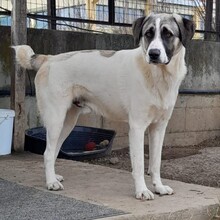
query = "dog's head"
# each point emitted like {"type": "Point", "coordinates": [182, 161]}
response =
{"type": "Point", "coordinates": [162, 35]}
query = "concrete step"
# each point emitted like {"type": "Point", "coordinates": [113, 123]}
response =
{"type": "Point", "coordinates": [114, 189]}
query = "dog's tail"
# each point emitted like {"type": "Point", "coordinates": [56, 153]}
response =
{"type": "Point", "coordinates": [26, 57]}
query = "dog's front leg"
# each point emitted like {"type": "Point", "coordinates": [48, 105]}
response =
{"type": "Point", "coordinates": [136, 139]}
{"type": "Point", "coordinates": [156, 133]}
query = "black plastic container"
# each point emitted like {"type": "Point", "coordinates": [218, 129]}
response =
{"type": "Point", "coordinates": [74, 146]}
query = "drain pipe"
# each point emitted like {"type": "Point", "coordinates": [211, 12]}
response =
{"type": "Point", "coordinates": [198, 92]}
{"type": "Point", "coordinates": [181, 91]}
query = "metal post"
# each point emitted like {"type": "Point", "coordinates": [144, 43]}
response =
{"type": "Point", "coordinates": [111, 12]}
{"type": "Point", "coordinates": [208, 19]}
{"type": "Point", "coordinates": [51, 11]}
{"type": "Point", "coordinates": [217, 20]}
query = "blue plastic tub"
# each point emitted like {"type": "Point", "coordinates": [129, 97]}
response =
{"type": "Point", "coordinates": [74, 146]}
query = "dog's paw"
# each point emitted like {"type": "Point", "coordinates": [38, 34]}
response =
{"type": "Point", "coordinates": [163, 190]}
{"type": "Point", "coordinates": [55, 186]}
{"type": "Point", "coordinates": [59, 178]}
{"type": "Point", "coordinates": [145, 195]}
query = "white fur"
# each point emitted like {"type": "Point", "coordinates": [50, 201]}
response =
{"type": "Point", "coordinates": [23, 55]}
{"type": "Point", "coordinates": [120, 87]}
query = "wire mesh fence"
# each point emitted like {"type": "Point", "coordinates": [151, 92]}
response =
{"type": "Point", "coordinates": [114, 16]}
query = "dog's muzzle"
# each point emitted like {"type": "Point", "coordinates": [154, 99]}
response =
{"type": "Point", "coordinates": [154, 55]}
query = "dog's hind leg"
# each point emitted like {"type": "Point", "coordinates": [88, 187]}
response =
{"type": "Point", "coordinates": [54, 124]}
{"type": "Point", "coordinates": [69, 123]}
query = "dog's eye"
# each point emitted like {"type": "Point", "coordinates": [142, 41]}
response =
{"type": "Point", "coordinates": [149, 34]}
{"type": "Point", "coordinates": [167, 33]}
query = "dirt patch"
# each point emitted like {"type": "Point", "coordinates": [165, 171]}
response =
{"type": "Point", "coordinates": [199, 164]}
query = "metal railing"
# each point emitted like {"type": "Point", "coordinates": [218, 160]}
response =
{"type": "Point", "coordinates": [114, 16]}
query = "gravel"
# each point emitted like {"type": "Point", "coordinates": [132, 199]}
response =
{"type": "Point", "coordinates": [199, 164]}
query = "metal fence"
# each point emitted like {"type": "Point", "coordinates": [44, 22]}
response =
{"type": "Point", "coordinates": [114, 16]}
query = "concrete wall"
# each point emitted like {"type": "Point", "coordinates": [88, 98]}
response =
{"type": "Point", "coordinates": [195, 117]}
{"type": "Point", "coordinates": [203, 62]}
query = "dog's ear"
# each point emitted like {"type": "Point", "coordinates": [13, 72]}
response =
{"type": "Point", "coordinates": [137, 29]}
{"type": "Point", "coordinates": [186, 28]}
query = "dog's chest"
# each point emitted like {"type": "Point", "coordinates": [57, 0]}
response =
{"type": "Point", "coordinates": [161, 99]}
{"type": "Point", "coordinates": [156, 113]}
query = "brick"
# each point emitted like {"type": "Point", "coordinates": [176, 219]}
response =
{"type": "Point", "coordinates": [177, 121]}
{"type": "Point", "coordinates": [202, 119]}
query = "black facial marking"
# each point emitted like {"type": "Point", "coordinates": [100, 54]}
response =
{"type": "Point", "coordinates": [150, 33]}
{"type": "Point", "coordinates": [169, 33]}
{"type": "Point", "coordinates": [169, 48]}
{"type": "Point", "coordinates": [168, 41]}
{"type": "Point", "coordinates": [166, 34]}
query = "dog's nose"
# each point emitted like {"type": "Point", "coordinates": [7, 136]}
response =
{"type": "Point", "coordinates": [154, 54]}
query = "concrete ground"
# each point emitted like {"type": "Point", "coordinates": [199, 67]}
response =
{"type": "Point", "coordinates": [102, 188]}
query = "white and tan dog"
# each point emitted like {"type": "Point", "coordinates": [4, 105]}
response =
{"type": "Point", "coordinates": [138, 86]}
